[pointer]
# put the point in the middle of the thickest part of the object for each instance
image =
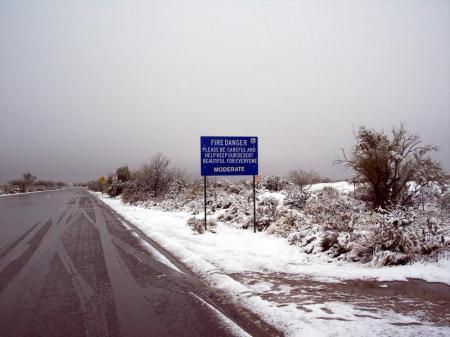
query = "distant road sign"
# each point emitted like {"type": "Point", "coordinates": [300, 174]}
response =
{"type": "Point", "coordinates": [229, 156]}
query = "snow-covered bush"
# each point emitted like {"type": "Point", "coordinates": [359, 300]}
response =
{"type": "Point", "coordinates": [135, 191]}
{"type": "Point", "coordinates": [198, 225]}
{"type": "Point", "coordinates": [325, 222]}
{"type": "Point", "coordinates": [274, 183]}
{"type": "Point", "coordinates": [444, 202]}
{"type": "Point", "coordinates": [296, 197]}
{"type": "Point", "coordinates": [267, 212]}
{"type": "Point", "coordinates": [115, 189]}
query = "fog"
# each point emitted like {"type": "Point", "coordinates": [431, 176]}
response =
{"type": "Point", "coordinates": [86, 86]}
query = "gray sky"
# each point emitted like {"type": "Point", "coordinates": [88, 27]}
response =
{"type": "Point", "coordinates": [86, 86]}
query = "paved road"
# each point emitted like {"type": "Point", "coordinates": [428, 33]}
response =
{"type": "Point", "coordinates": [69, 267]}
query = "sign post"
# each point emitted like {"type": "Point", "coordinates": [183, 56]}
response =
{"type": "Point", "coordinates": [229, 156]}
{"type": "Point", "coordinates": [254, 205]}
{"type": "Point", "coordinates": [204, 197]}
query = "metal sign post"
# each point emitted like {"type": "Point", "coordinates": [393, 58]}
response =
{"type": "Point", "coordinates": [229, 156]}
{"type": "Point", "coordinates": [254, 205]}
{"type": "Point", "coordinates": [204, 197]}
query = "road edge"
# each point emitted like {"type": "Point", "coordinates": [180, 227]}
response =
{"type": "Point", "coordinates": [223, 302]}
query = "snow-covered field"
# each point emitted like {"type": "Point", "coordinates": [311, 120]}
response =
{"type": "Point", "coordinates": [215, 256]}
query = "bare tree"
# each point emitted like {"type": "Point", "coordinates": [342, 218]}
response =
{"type": "Point", "coordinates": [28, 181]}
{"type": "Point", "coordinates": [298, 195]}
{"type": "Point", "coordinates": [151, 180]}
{"type": "Point", "coordinates": [161, 175]}
{"type": "Point", "coordinates": [304, 179]}
{"type": "Point", "coordinates": [385, 166]}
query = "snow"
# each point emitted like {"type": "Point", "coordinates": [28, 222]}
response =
{"type": "Point", "coordinates": [276, 195]}
{"type": "Point", "coordinates": [235, 329]}
{"type": "Point", "coordinates": [340, 186]}
{"type": "Point", "coordinates": [327, 221]}
{"type": "Point", "coordinates": [234, 250]}
{"type": "Point", "coordinates": [32, 192]}
{"type": "Point", "coordinates": [158, 256]}
{"type": "Point", "coordinates": [231, 250]}
{"type": "Point", "coordinates": [153, 251]}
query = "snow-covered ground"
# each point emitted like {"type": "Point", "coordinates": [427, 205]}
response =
{"type": "Point", "coordinates": [215, 256]}
{"type": "Point", "coordinates": [32, 192]}
{"type": "Point", "coordinates": [341, 186]}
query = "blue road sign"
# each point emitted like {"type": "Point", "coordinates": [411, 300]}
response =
{"type": "Point", "coordinates": [229, 156]}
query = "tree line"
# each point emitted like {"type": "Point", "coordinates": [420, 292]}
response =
{"type": "Point", "coordinates": [28, 183]}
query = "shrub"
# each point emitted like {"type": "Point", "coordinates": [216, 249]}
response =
{"type": "Point", "coordinates": [330, 190]}
{"type": "Point", "coordinates": [115, 189]}
{"type": "Point", "coordinates": [198, 225]}
{"type": "Point", "coordinates": [123, 173]}
{"type": "Point", "coordinates": [266, 213]}
{"type": "Point", "coordinates": [328, 241]}
{"type": "Point", "coordinates": [296, 198]}
{"type": "Point", "coordinates": [386, 165]}
{"type": "Point", "coordinates": [445, 202]}
{"type": "Point", "coordinates": [274, 183]}
{"type": "Point", "coordinates": [304, 179]}
{"type": "Point", "coordinates": [151, 181]}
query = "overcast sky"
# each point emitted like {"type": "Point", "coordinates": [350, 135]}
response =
{"type": "Point", "coordinates": [86, 86]}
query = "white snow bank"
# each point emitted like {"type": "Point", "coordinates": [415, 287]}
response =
{"type": "Point", "coordinates": [236, 250]}
{"type": "Point", "coordinates": [340, 186]}
{"type": "Point", "coordinates": [233, 250]}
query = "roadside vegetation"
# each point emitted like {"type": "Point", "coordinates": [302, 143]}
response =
{"type": "Point", "coordinates": [394, 210]}
{"type": "Point", "coordinates": [29, 183]}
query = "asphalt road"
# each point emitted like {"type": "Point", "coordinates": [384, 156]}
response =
{"type": "Point", "coordinates": [69, 267]}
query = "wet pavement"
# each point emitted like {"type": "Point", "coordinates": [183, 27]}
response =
{"type": "Point", "coordinates": [69, 267]}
